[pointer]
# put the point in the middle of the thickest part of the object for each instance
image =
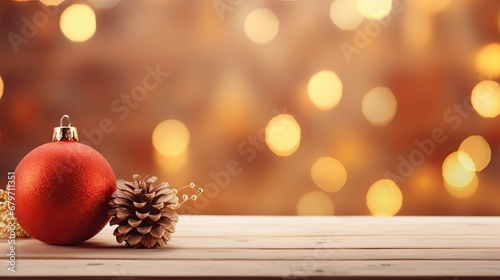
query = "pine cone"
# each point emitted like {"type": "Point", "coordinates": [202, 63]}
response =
{"type": "Point", "coordinates": [144, 213]}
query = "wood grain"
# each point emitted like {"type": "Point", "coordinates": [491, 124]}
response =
{"type": "Point", "coordinates": [257, 268]}
{"type": "Point", "coordinates": [258, 246]}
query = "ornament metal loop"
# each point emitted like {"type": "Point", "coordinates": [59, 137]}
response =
{"type": "Point", "coordinates": [62, 120]}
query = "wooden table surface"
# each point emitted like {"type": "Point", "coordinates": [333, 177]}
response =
{"type": "Point", "coordinates": [282, 246]}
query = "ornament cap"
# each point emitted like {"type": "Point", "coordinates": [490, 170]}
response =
{"type": "Point", "coordinates": [65, 132]}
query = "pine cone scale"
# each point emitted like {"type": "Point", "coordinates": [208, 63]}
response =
{"type": "Point", "coordinates": [159, 206]}
{"type": "Point", "coordinates": [120, 238]}
{"type": "Point", "coordinates": [125, 195]}
{"type": "Point", "coordinates": [165, 191]}
{"type": "Point", "coordinates": [170, 229]}
{"type": "Point", "coordinates": [122, 230]}
{"type": "Point", "coordinates": [167, 214]}
{"type": "Point", "coordinates": [158, 232]}
{"type": "Point", "coordinates": [164, 199]}
{"type": "Point", "coordinates": [161, 242]}
{"type": "Point", "coordinates": [139, 204]}
{"type": "Point", "coordinates": [144, 230]}
{"type": "Point", "coordinates": [148, 241]}
{"type": "Point", "coordinates": [133, 239]}
{"type": "Point", "coordinates": [134, 223]}
{"type": "Point", "coordinates": [141, 216]}
{"type": "Point", "coordinates": [115, 221]}
{"type": "Point", "coordinates": [155, 217]}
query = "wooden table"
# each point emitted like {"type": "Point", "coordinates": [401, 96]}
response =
{"type": "Point", "coordinates": [271, 246]}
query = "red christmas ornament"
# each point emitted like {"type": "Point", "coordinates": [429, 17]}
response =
{"type": "Point", "coordinates": [63, 189]}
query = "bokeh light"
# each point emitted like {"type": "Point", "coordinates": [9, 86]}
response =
{"type": "Point", "coordinates": [325, 89]}
{"type": "Point", "coordinates": [328, 174]}
{"type": "Point", "coordinates": [1, 87]}
{"type": "Point", "coordinates": [51, 2]}
{"type": "Point", "coordinates": [315, 203]}
{"type": "Point", "coordinates": [476, 149]}
{"type": "Point", "coordinates": [488, 60]}
{"type": "Point", "coordinates": [384, 198]}
{"type": "Point", "coordinates": [455, 173]}
{"type": "Point", "coordinates": [485, 98]}
{"type": "Point", "coordinates": [171, 138]}
{"type": "Point", "coordinates": [464, 191]}
{"type": "Point", "coordinates": [466, 161]}
{"type": "Point", "coordinates": [78, 22]}
{"type": "Point", "coordinates": [379, 106]}
{"type": "Point", "coordinates": [283, 135]}
{"type": "Point", "coordinates": [345, 14]}
{"type": "Point", "coordinates": [261, 26]}
{"type": "Point", "coordinates": [374, 9]}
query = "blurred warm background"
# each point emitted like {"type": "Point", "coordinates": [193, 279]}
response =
{"type": "Point", "coordinates": [344, 107]}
